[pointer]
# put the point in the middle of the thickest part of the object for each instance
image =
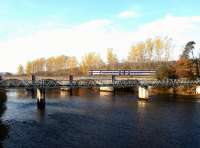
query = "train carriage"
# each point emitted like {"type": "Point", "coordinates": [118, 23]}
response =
{"type": "Point", "coordinates": [123, 72]}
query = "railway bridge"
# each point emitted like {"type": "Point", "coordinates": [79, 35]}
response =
{"type": "Point", "coordinates": [108, 83]}
{"type": "Point", "coordinates": [88, 82]}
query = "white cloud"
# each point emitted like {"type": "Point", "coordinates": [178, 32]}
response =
{"type": "Point", "coordinates": [180, 29]}
{"type": "Point", "coordinates": [128, 14]}
{"type": "Point", "coordinates": [97, 35]}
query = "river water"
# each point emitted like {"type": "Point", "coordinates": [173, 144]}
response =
{"type": "Point", "coordinates": [90, 119]}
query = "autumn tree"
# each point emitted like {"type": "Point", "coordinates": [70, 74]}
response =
{"type": "Point", "coordinates": [149, 45]}
{"type": "Point", "coordinates": [185, 66]}
{"type": "Point", "coordinates": [168, 48]}
{"type": "Point", "coordinates": [111, 58]}
{"type": "Point", "coordinates": [20, 70]}
{"type": "Point", "coordinates": [187, 50]}
{"type": "Point", "coordinates": [41, 64]}
{"type": "Point", "coordinates": [137, 53]}
{"type": "Point", "coordinates": [184, 69]}
{"type": "Point", "coordinates": [188, 53]}
{"type": "Point", "coordinates": [157, 49]}
{"type": "Point", "coordinates": [29, 68]}
{"type": "Point", "coordinates": [71, 62]}
{"type": "Point", "coordinates": [60, 63]}
{"type": "Point", "coordinates": [165, 72]}
{"type": "Point", "coordinates": [90, 61]}
{"type": "Point", "coordinates": [51, 64]}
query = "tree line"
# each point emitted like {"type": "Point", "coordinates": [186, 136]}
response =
{"type": "Point", "coordinates": [51, 64]}
{"type": "Point", "coordinates": [186, 67]}
{"type": "Point", "coordinates": [141, 53]}
{"type": "Point", "coordinates": [152, 54]}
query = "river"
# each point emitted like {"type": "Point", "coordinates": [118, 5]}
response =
{"type": "Point", "coordinates": [89, 119]}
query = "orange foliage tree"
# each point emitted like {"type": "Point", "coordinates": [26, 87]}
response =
{"type": "Point", "coordinates": [184, 68]}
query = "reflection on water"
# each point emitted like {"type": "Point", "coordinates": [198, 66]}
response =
{"type": "Point", "coordinates": [3, 127]}
{"type": "Point", "coordinates": [142, 103]}
{"type": "Point", "coordinates": [105, 93]}
{"type": "Point", "coordinates": [20, 94]}
{"type": "Point", "coordinates": [64, 94]}
{"type": "Point", "coordinates": [40, 114]}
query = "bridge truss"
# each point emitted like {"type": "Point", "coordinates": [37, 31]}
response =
{"type": "Point", "coordinates": [87, 83]}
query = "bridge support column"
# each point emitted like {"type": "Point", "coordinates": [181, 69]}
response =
{"type": "Point", "coordinates": [143, 92]}
{"type": "Point", "coordinates": [40, 98]}
{"type": "Point", "coordinates": [109, 88]}
{"type": "Point", "coordinates": [113, 79]}
{"type": "Point", "coordinates": [71, 78]}
{"type": "Point", "coordinates": [33, 89]}
{"type": "Point", "coordinates": [33, 79]}
{"type": "Point", "coordinates": [70, 87]}
{"type": "Point", "coordinates": [198, 89]}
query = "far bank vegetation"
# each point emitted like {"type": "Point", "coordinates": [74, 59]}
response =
{"type": "Point", "coordinates": [152, 54]}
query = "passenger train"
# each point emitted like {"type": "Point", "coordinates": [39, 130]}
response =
{"type": "Point", "coordinates": [123, 72]}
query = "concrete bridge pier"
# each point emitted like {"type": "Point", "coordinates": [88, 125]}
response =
{"type": "Point", "coordinates": [71, 79]}
{"type": "Point", "coordinates": [33, 89]}
{"type": "Point", "coordinates": [113, 79]}
{"type": "Point", "coordinates": [70, 87]}
{"type": "Point", "coordinates": [143, 92]}
{"type": "Point", "coordinates": [198, 89]}
{"type": "Point", "coordinates": [40, 98]}
{"type": "Point", "coordinates": [109, 88]}
{"type": "Point", "coordinates": [33, 78]}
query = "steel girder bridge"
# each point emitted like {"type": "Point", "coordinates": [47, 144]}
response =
{"type": "Point", "coordinates": [88, 83]}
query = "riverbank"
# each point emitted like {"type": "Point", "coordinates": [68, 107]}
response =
{"type": "Point", "coordinates": [181, 90]}
{"type": "Point", "coordinates": [3, 127]}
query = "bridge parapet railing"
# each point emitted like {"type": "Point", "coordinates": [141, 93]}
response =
{"type": "Point", "coordinates": [15, 83]}
{"type": "Point", "coordinates": [170, 83]}
{"type": "Point", "coordinates": [96, 83]}
{"type": "Point", "coordinates": [125, 83]}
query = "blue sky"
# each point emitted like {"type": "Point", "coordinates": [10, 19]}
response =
{"type": "Point", "coordinates": [31, 14]}
{"type": "Point", "coordinates": [25, 23]}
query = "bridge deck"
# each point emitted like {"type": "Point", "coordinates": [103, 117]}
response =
{"type": "Point", "coordinates": [29, 84]}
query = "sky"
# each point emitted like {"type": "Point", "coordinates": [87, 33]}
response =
{"type": "Point", "coordinates": [31, 29]}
